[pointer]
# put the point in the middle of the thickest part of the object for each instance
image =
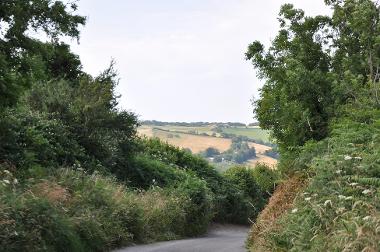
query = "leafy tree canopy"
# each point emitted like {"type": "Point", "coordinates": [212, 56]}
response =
{"type": "Point", "coordinates": [20, 53]}
{"type": "Point", "coordinates": [314, 65]}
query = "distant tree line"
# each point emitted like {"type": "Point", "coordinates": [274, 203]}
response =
{"type": "Point", "coordinates": [272, 153]}
{"type": "Point", "coordinates": [247, 139]}
{"type": "Point", "coordinates": [192, 124]}
{"type": "Point", "coordinates": [254, 124]}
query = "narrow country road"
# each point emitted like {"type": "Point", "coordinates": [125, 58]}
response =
{"type": "Point", "coordinates": [220, 238]}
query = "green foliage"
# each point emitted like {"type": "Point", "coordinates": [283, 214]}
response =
{"type": "Point", "coordinates": [163, 215]}
{"type": "Point", "coordinates": [239, 152]}
{"type": "Point", "coordinates": [90, 113]}
{"type": "Point", "coordinates": [295, 101]}
{"type": "Point", "coordinates": [44, 216]}
{"type": "Point", "coordinates": [321, 103]}
{"type": "Point", "coordinates": [143, 171]}
{"type": "Point", "coordinates": [341, 200]}
{"type": "Point", "coordinates": [233, 205]}
{"type": "Point", "coordinates": [315, 65]}
{"type": "Point", "coordinates": [243, 179]}
{"type": "Point", "coordinates": [230, 202]}
{"type": "Point", "coordinates": [29, 138]}
{"type": "Point", "coordinates": [265, 177]}
{"type": "Point", "coordinates": [180, 159]}
{"type": "Point", "coordinates": [33, 223]}
{"type": "Point", "coordinates": [256, 134]}
{"type": "Point", "coordinates": [357, 44]}
{"type": "Point", "coordinates": [115, 189]}
{"type": "Point", "coordinates": [210, 152]}
{"type": "Point", "coordinates": [199, 211]}
{"type": "Point", "coordinates": [74, 211]}
{"type": "Point", "coordinates": [113, 205]}
{"type": "Point", "coordinates": [60, 63]}
{"type": "Point", "coordinates": [19, 52]}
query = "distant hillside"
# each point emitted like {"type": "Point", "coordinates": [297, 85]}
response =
{"type": "Point", "coordinates": [190, 124]}
{"type": "Point", "coordinates": [200, 139]}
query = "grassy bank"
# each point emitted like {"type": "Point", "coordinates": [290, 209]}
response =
{"type": "Point", "coordinates": [339, 209]}
{"type": "Point", "coordinates": [74, 211]}
{"type": "Point", "coordinates": [323, 109]}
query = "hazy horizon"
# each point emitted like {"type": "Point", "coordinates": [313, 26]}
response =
{"type": "Point", "coordinates": [181, 61]}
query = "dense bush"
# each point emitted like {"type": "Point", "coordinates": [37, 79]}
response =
{"type": "Point", "coordinates": [199, 211]}
{"type": "Point", "coordinates": [323, 109]}
{"type": "Point", "coordinates": [34, 224]}
{"type": "Point", "coordinates": [75, 211]}
{"type": "Point", "coordinates": [243, 179]}
{"type": "Point", "coordinates": [266, 178]}
{"type": "Point", "coordinates": [143, 171]}
{"type": "Point", "coordinates": [88, 109]}
{"type": "Point", "coordinates": [231, 203]}
{"type": "Point", "coordinates": [210, 152]}
{"type": "Point", "coordinates": [29, 139]}
{"type": "Point", "coordinates": [180, 159]}
{"type": "Point", "coordinates": [72, 212]}
{"type": "Point", "coordinates": [342, 198]}
{"type": "Point", "coordinates": [182, 193]}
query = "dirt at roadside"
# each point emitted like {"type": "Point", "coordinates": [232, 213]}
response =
{"type": "Point", "coordinates": [279, 204]}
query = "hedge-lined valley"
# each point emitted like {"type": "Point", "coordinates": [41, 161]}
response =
{"type": "Point", "coordinates": [74, 175]}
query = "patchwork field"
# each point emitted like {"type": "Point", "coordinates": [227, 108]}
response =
{"type": "Point", "coordinates": [198, 143]}
{"type": "Point", "coordinates": [188, 129]}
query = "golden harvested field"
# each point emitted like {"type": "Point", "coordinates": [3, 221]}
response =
{"type": "Point", "coordinates": [260, 150]}
{"type": "Point", "coordinates": [262, 159]}
{"type": "Point", "coordinates": [195, 143]}
{"type": "Point", "coordinates": [145, 131]}
{"type": "Point", "coordinates": [259, 147]}
{"type": "Point", "coordinates": [198, 143]}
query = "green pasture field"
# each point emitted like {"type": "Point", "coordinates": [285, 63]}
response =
{"type": "Point", "coordinates": [254, 133]}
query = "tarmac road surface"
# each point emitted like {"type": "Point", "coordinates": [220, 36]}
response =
{"type": "Point", "coordinates": [220, 238]}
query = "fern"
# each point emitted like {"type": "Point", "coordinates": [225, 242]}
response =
{"type": "Point", "coordinates": [365, 181]}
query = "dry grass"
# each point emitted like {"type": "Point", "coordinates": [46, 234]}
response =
{"type": "Point", "coordinates": [280, 202]}
{"type": "Point", "coordinates": [119, 194]}
{"type": "Point", "coordinates": [145, 131]}
{"type": "Point", "coordinates": [195, 143]}
{"type": "Point", "coordinates": [271, 162]}
{"type": "Point", "coordinates": [152, 201]}
{"type": "Point", "coordinates": [51, 191]}
{"type": "Point", "coordinates": [259, 147]}
{"type": "Point", "coordinates": [261, 158]}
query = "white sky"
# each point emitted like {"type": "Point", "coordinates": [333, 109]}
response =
{"type": "Point", "coordinates": [182, 60]}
